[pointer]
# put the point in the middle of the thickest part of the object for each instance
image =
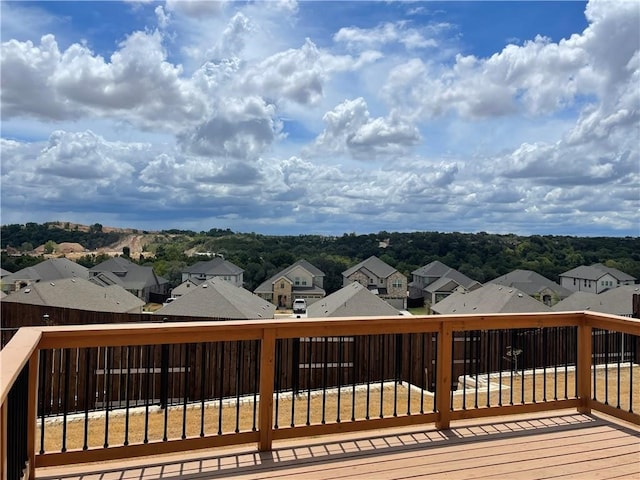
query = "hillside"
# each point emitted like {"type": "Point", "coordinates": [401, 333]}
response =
{"type": "Point", "coordinates": [480, 256]}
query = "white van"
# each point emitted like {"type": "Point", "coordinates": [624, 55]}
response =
{"type": "Point", "coordinates": [299, 305]}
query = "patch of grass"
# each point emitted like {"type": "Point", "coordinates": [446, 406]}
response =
{"type": "Point", "coordinates": [303, 409]}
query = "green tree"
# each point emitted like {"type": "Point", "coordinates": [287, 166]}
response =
{"type": "Point", "coordinates": [49, 247]}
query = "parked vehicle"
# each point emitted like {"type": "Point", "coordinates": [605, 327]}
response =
{"type": "Point", "coordinates": [299, 305]}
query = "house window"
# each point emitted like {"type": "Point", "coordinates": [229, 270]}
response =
{"type": "Point", "coordinates": [304, 282]}
{"type": "Point", "coordinates": [297, 281]}
{"type": "Point", "coordinates": [281, 284]}
{"type": "Point", "coordinates": [397, 283]}
{"type": "Point", "coordinates": [574, 281]}
{"type": "Point", "coordinates": [371, 281]}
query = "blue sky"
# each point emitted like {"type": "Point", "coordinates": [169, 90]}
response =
{"type": "Point", "coordinates": [288, 117]}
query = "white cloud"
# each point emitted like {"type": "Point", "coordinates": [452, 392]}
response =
{"type": "Point", "coordinates": [350, 128]}
{"type": "Point", "coordinates": [386, 33]}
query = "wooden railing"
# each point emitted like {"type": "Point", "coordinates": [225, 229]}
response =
{"type": "Point", "coordinates": [349, 363]}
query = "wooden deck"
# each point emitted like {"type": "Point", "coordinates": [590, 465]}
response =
{"type": "Point", "coordinates": [552, 445]}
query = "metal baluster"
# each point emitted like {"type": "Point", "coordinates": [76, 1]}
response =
{"type": "Point", "coordinates": [65, 398]}
{"type": "Point", "coordinates": [127, 393]}
{"type": "Point", "coordinates": [256, 375]}
{"type": "Point", "coordinates": [368, 375]}
{"type": "Point", "coordinates": [339, 375]}
{"type": "Point", "coordinates": [147, 384]}
{"type": "Point", "coordinates": [620, 353]}
{"type": "Point", "coordinates": [477, 344]}
{"type": "Point", "coordinates": [87, 379]}
{"type": "Point", "coordinates": [204, 367]}
{"type": "Point", "coordinates": [239, 377]}
{"type": "Point", "coordinates": [410, 380]}
{"type": "Point", "coordinates": [185, 396]}
{"type": "Point", "coordinates": [353, 380]}
{"type": "Point", "coordinates": [425, 380]}
{"type": "Point", "coordinates": [325, 372]}
{"type": "Point", "coordinates": [309, 358]}
{"type": "Point", "coordinates": [488, 367]}
{"type": "Point", "coordinates": [107, 396]}
{"type": "Point", "coordinates": [384, 361]}
{"type": "Point", "coordinates": [41, 395]}
{"type": "Point", "coordinates": [220, 346]}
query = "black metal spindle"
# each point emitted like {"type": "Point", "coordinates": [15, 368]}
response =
{"type": "Point", "coordinates": [606, 367]}
{"type": "Point", "coordinates": [353, 379]}
{"type": "Point", "coordinates": [164, 392]}
{"type": "Point", "coordinates": [522, 399]}
{"type": "Point", "coordinates": [410, 379]}
{"type": "Point", "coordinates": [565, 331]}
{"type": "Point", "coordinates": [127, 397]}
{"type": "Point", "coordinates": [465, 366]}
{"type": "Point", "coordinates": [423, 372]}
{"type": "Point", "coordinates": [339, 375]}
{"type": "Point", "coordinates": [107, 394]}
{"type": "Point", "coordinates": [634, 342]}
{"type": "Point", "coordinates": [594, 365]}
{"type": "Point", "coordinates": [500, 364]}
{"type": "Point", "coordinates": [383, 339]}
{"type": "Point", "coordinates": [41, 394]}
{"type": "Point", "coordinates": [555, 362]}
{"type": "Point", "coordinates": [185, 395]}
{"type": "Point", "coordinates": [240, 376]}
{"type": "Point", "coordinates": [147, 384]}
{"type": "Point", "coordinates": [534, 346]}
{"type": "Point", "coordinates": [544, 364]}
{"type": "Point", "coordinates": [87, 382]}
{"type": "Point", "coordinates": [396, 373]}
{"type": "Point", "coordinates": [295, 378]}
{"type": "Point", "coordinates": [204, 368]}
{"type": "Point", "coordinates": [256, 376]}
{"type": "Point", "coordinates": [221, 347]}
{"type": "Point", "coordinates": [310, 366]}
{"type": "Point", "coordinates": [65, 397]}
{"type": "Point", "coordinates": [435, 370]}
{"type": "Point", "coordinates": [513, 365]}
{"type": "Point", "coordinates": [369, 339]}
{"type": "Point", "coordinates": [477, 344]}
{"type": "Point", "coordinates": [488, 365]}
{"type": "Point", "coordinates": [620, 354]}
{"type": "Point", "coordinates": [325, 372]}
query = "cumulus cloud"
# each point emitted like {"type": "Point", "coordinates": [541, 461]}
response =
{"type": "Point", "coordinates": [350, 128]}
{"type": "Point", "coordinates": [137, 83]}
{"type": "Point", "coordinates": [386, 33]}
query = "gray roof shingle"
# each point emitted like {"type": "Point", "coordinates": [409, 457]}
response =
{"type": "Point", "coordinates": [490, 298]}
{"type": "Point", "coordinates": [219, 299]}
{"type": "Point", "coordinates": [373, 264]}
{"type": "Point", "coordinates": [77, 293]}
{"type": "Point", "coordinates": [596, 271]}
{"type": "Point", "coordinates": [530, 282]}
{"type": "Point", "coordinates": [351, 301]}
{"type": "Point", "coordinates": [617, 301]}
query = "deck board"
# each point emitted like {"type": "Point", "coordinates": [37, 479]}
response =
{"type": "Point", "coordinates": [559, 445]}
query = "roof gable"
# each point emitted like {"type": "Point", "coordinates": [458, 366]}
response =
{"type": "Point", "coordinates": [374, 265]}
{"type": "Point", "coordinates": [491, 298]}
{"type": "Point", "coordinates": [351, 301]}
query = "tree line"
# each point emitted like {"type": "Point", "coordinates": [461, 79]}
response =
{"type": "Point", "coordinates": [481, 256]}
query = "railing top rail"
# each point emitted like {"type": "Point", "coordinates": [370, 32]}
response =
{"type": "Point", "coordinates": [15, 356]}
{"type": "Point", "coordinates": [178, 332]}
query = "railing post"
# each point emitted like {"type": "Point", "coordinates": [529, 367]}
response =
{"type": "Point", "coordinates": [267, 377]}
{"type": "Point", "coordinates": [32, 412]}
{"type": "Point", "coordinates": [583, 366]}
{"type": "Point", "coordinates": [443, 375]}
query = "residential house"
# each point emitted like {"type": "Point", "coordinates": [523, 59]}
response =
{"type": "Point", "coordinates": [52, 269]}
{"type": "Point", "coordinates": [300, 280]}
{"type": "Point", "coordinates": [490, 298]}
{"type": "Point", "coordinates": [435, 281]}
{"type": "Point", "coordinates": [215, 268]}
{"type": "Point", "coordinates": [617, 301]}
{"type": "Point", "coordinates": [354, 300]}
{"type": "Point", "coordinates": [381, 278]}
{"type": "Point", "coordinates": [594, 278]}
{"type": "Point", "coordinates": [77, 293]}
{"type": "Point", "coordinates": [218, 299]}
{"type": "Point", "coordinates": [535, 285]}
{"type": "Point", "coordinates": [140, 280]}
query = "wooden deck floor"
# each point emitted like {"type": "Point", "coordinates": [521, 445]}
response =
{"type": "Point", "coordinates": [557, 445]}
